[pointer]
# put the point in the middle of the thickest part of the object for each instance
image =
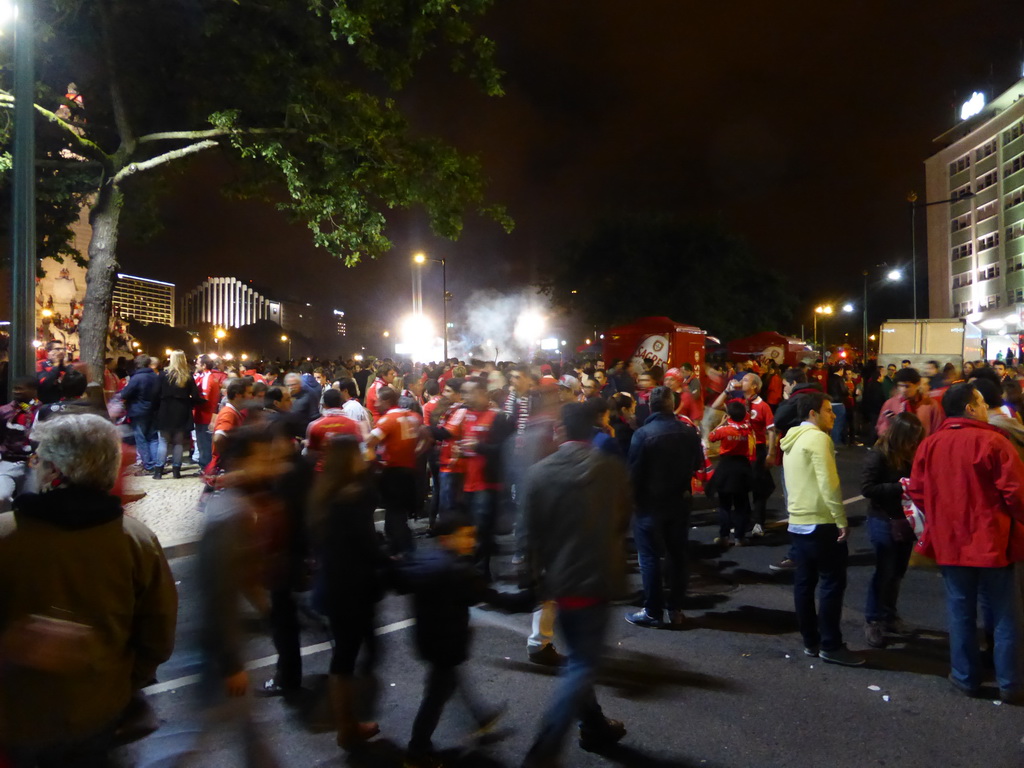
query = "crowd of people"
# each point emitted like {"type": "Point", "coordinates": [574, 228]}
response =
{"type": "Point", "coordinates": [581, 461]}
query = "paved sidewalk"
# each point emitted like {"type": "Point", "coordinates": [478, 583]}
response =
{"type": "Point", "coordinates": [170, 507]}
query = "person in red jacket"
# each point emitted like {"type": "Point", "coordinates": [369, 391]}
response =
{"type": "Point", "coordinates": [734, 475]}
{"type": "Point", "coordinates": [969, 482]}
{"type": "Point", "coordinates": [209, 381]}
{"type": "Point", "coordinates": [910, 396]}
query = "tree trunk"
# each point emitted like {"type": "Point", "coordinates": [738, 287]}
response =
{"type": "Point", "coordinates": [99, 281]}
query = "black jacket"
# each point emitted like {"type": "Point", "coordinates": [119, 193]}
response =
{"type": "Point", "coordinates": [174, 411]}
{"type": "Point", "coordinates": [786, 416]}
{"type": "Point", "coordinates": [141, 395]}
{"type": "Point", "coordinates": [444, 587]}
{"type": "Point", "coordinates": [880, 484]}
{"type": "Point", "coordinates": [663, 456]}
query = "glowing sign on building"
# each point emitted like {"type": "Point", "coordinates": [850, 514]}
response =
{"type": "Point", "coordinates": [973, 105]}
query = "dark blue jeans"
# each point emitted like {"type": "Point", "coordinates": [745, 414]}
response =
{"type": "Point", "coordinates": [451, 494]}
{"type": "Point", "coordinates": [147, 440]}
{"type": "Point", "coordinates": [997, 590]}
{"type": "Point", "coordinates": [891, 560]}
{"type": "Point", "coordinates": [583, 632]}
{"type": "Point", "coordinates": [820, 559]}
{"type": "Point", "coordinates": [398, 492]}
{"type": "Point", "coordinates": [483, 505]}
{"type": "Point", "coordinates": [665, 535]}
{"type": "Point", "coordinates": [204, 445]}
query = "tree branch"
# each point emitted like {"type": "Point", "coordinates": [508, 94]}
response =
{"type": "Point", "coordinates": [74, 131]}
{"type": "Point", "coordinates": [153, 162]}
{"type": "Point", "coordinates": [117, 102]}
{"type": "Point", "coordinates": [211, 133]}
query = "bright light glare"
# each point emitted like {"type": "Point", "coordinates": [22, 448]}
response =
{"type": "Point", "coordinates": [894, 275]}
{"type": "Point", "coordinates": [824, 310]}
{"type": "Point", "coordinates": [228, 356]}
{"type": "Point", "coordinates": [549, 345]}
{"type": "Point", "coordinates": [419, 258]}
{"type": "Point", "coordinates": [972, 106]}
{"type": "Point", "coordinates": [195, 339]}
{"type": "Point", "coordinates": [530, 326]}
{"type": "Point", "coordinates": [8, 12]}
{"type": "Point", "coordinates": [847, 307]}
{"type": "Point", "coordinates": [37, 343]}
{"type": "Point", "coordinates": [220, 333]}
{"type": "Point", "coordinates": [357, 358]}
{"type": "Point", "coordinates": [419, 339]}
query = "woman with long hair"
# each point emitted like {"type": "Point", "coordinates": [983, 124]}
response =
{"type": "Point", "coordinates": [178, 396]}
{"type": "Point", "coordinates": [350, 582]}
{"type": "Point", "coordinates": [890, 533]}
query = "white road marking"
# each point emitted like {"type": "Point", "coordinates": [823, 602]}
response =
{"type": "Point", "coordinates": [266, 661]}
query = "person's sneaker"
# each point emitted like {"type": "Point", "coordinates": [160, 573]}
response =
{"type": "Point", "coordinates": [812, 652]}
{"type": "Point", "coordinates": [1012, 697]}
{"type": "Point", "coordinates": [843, 656]}
{"type": "Point", "coordinates": [547, 656]}
{"type": "Point", "coordinates": [874, 633]}
{"type": "Point", "coordinates": [643, 619]}
{"type": "Point", "coordinates": [783, 565]}
{"type": "Point", "coordinates": [741, 542]}
{"type": "Point", "coordinates": [676, 619]}
{"type": "Point", "coordinates": [971, 693]}
{"type": "Point", "coordinates": [899, 628]}
{"type": "Point", "coordinates": [722, 541]}
{"type": "Point", "coordinates": [597, 739]}
{"type": "Point", "coordinates": [757, 530]}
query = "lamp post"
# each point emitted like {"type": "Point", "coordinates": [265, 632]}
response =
{"type": "Point", "coordinates": [287, 339]}
{"type": "Point", "coordinates": [23, 231]}
{"type": "Point", "coordinates": [914, 205]}
{"type": "Point", "coordinates": [824, 309]}
{"type": "Point", "coordinates": [421, 258]}
{"type": "Point", "coordinates": [893, 276]}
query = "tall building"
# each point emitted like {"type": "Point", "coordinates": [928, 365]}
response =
{"type": "Point", "coordinates": [976, 242]}
{"type": "Point", "coordinates": [139, 298]}
{"type": "Point", "coordinates": [229, 303]}
{"type": "Point", "coordinates": [339, 316]}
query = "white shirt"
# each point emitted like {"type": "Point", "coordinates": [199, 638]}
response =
{"type": "Point", "coordinates": [355, 411]}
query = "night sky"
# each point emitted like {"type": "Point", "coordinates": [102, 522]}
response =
{"type": "Point", "coordinates": [804, 131]}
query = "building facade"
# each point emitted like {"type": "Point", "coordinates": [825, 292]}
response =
{"type": "Point", "coordinates": [229, 303]}
{"type": "Point", "coordinates": [142, 299]}
{"type": "Point", "coordinates": [976, 242]}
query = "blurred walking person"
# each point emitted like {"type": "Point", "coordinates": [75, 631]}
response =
{"type": "Point", "coordinates": [350, 583]}
{"type": "Point", "coordinates": [576, 509]}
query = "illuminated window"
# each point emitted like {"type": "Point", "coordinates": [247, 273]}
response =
{"type": "Point", "coordinates": [988, 180]}
{"type": "Point", "coordinates": [963, 251]}
{"type": "Point", "coordinates": [987, 273]}
{"type": "Point", "coordinates": [1015, 132]}
{"type": "Point", "coordinates": [1014, 165]}
{"type": "Point", "coordinates": [990, 241]}
{"type": "Point", "coordinates": [961, 192]}
{"type": "Point", "coordinates": [1015, 197]}
{"type": "Point", "coordinates": [960, 164]}
{"type": "Point", "coordinates": [961, 222]}
{"type": "Point", "coordinates": [963, 280]}
{"type": "Point", "coordinates": [1015, 296]}
{"type": "Point", "coordinates": [984, 151]}
{"type": "Point", "coordinates": [988, 210]}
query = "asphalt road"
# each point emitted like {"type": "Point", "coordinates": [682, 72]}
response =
{"type": "Point", "coordinates": [732, 689]}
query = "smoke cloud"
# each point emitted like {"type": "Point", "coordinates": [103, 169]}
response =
{"type": "Point", "coordinates": [491, 324]}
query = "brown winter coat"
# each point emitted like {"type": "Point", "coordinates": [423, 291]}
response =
{"type": "Point", "coordinates": [72, 555]}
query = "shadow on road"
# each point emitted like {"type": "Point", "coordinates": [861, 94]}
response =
{"type": "Point", "coordinates": [922, 654]}
{"type": "Point", "coordinates": [749, 619]}
{"type": "Point", "coordinates": [634, 675]}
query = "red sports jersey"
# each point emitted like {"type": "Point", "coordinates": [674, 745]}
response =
{"type": "Point", "coordinates": [475, 426]}
{"type": "Point", "coordinates": [334, 422]}
{"type": "Point", "coordinates": [399, 432]}
{"type": "Point", "coordinates": [428, 408]}
{"type": "Point", "coordinates": [737, 439]}
{"type": "Point", "coordinates": [761, 419]}
{"type": "Point", "coordinates": [452, 421]}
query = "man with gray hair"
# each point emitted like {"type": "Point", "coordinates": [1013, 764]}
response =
{"type": "Point", "coordinates": [77, 658]}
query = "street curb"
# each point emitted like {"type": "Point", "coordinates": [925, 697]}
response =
{"type": "Point", "coordinates": [181, 549]}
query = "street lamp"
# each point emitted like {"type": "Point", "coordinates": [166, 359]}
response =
{"type": "Point", "coordinates": [893, 276]}
{"type": "Point", "coordinates": [23, 214]}
{"type": "Point", "coordinates": [421, 259]}
{"type": "Point", "coordinates": [285, 338]}
{"type": "Point", "coordinates": [823, 309]}
{"type": "Point", "coordinates": [914, 205]}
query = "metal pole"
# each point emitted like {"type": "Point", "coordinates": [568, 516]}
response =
{"type": "Point", "coordinates": [865, 317]}
{"type": "Point", "coordinates": [23, 240]}
{"type": "Point", "coordinates": [913, 259]}
{"type": "Point", "coordinates": [444, 302]}
{"type": "Point", "coordinates": [816, 328]}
